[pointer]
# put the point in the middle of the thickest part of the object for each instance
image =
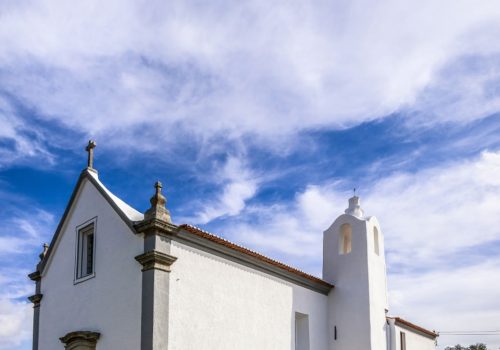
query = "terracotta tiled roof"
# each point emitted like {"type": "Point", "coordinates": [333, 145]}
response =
{"type": "Point", "coordinates": [211, 237]}
{"type": "Point", "coordinates": [415, 327]}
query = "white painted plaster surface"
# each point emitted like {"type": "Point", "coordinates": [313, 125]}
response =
{"type": "Point", "coordinates": [109, 303]}
{"type": "Point", "coordinates": [219, 304]}
{"type": "Point", "coordinates": [358, 302]}
{"type": "Point", "coordinates": [377, 285]}
{"type": "Point", "coordinates": [414, 340]}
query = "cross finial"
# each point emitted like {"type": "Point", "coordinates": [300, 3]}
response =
{"type": "Point", "coordinates": [158, 186]}
{"type": "Point", "coordinates": [354, 191]}
{"type": "Point", "coordinates": [90, 149]}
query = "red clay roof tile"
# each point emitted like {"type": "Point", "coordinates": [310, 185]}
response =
{"type": "Point", "coordinates": [204, 234]}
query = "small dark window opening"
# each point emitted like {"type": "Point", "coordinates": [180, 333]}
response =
{"type": "Point", "coordinates": [335, 332]}
{"type": "Point", "coordinates": [85, 251]}
{"type": "Point", "coordinates": [90, 253]}
{"type": "Point", "coordinates": [403, 340]}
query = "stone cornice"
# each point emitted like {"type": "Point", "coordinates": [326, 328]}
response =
{"type": "Point", "coordinates": [154, 259]}
{"type": "Point", "coordinates": [35, 276]}
{"type": "Point", "coordinates": [35, 299]}
{"type": "Point", "coordinates": [80, 337]}
{"type": "Point", "coordinates": [155, 226]}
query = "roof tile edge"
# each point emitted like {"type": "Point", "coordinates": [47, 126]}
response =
{"type": "Point", "coordinates": [408, 324]}
{"type": "Point", "coordinates": [219, 240]}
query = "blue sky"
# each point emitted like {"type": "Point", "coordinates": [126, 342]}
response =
{"type": "Point", "coordinates": [260, 120]}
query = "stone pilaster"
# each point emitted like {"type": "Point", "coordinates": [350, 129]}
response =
{"type": "Point", "coordinates": [37, 298]}
{"type": "Point", "coordinates": [156, 264]}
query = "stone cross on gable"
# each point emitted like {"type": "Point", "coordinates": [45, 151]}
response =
{"type": "Point", "coordinates": [90, 149]}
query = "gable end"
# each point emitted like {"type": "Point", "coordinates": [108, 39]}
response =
{"type": "Point", "coordinates": [85, 175]}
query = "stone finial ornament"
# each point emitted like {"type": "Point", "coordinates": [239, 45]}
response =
{"type": "Point", "coordinates": [158, 209]}
{"type": "Point", "coordinates": [44, 252]}
{"type": "Point", "coordinates": [355, 207]}
{"type": "Point", "coordinates": [90, 149]}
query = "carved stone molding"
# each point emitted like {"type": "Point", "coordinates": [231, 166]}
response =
{"type": "Point", "coordinates": [155, 260]}
{"type": "Point", "coordinates": [80, 340]}
{"type": "Point", "coordinates": [35, 299]}
{"type": "Point", "coordinates": [155, 226]}
{"type": "Point", "coordinates": [35, 276]}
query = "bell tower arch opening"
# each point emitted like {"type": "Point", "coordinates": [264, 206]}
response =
{"type": "Point", "coordinates": [345, 239]}
{"type": "Point", "coordinates": [376, 244]}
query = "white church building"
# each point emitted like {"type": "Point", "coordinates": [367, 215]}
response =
{"type": "Point", "coordinates": [113, 278]}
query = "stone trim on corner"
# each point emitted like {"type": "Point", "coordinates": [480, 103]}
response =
{"type": "Point", "coordinates": [154, 259]}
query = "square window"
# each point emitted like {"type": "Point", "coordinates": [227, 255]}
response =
{"type": "Point", "coordinates": [85, 251]}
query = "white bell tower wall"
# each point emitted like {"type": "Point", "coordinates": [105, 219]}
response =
{"type": "Point", "coordinates": [354, 261]}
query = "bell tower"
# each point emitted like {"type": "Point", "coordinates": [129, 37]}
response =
{"type": "Point", "coordinates": [354, 261]}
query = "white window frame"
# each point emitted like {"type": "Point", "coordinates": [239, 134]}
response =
{"type": "Point", "coordinates": [79, 256]}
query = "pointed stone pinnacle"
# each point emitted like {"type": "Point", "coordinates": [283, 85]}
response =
{"type": "Point", "coordinates": [44, 252]}
{"type": "Point", "coordinates": [158, 209]}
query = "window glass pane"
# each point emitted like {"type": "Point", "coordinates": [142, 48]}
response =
{"type": "Point", "coordinates": [90, 253]}
{"type": "Point", "coordinates": [85, 251]}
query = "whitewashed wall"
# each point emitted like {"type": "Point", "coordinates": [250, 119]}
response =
{"type": "Point", "coordinates": [218, 304]}
{"type": "Point", "coordinates": [414, 340]}
{"type": "Point", "coordinates": [109, 303]}
{"type": "Point", "coordinates": [378, 284]}
{"type": "Point", "coordinates": [358, 302]}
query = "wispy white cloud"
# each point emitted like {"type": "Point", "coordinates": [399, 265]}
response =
{"type": "Point", "coordinates": [291, 231]}
{"type": "Point", "coordinates": [24, 229]}
{"type": "Point", "coordinates": [466, 89]}
{"type": "Point", "coordinates": [19, 235]}
{"type": "Point", "coordinates": [439, 211]}
{"type": "Point", "coordinates": [451, 299]}
{"type": "Point", "coordinates": [16, 319]}
{"type": "Point", "coordinates": [163, 73]}
{"type": "Point", "coordinates": [228, 69]}
{"type": "Point", "coordinates": [238, 184]}
{"type": "Point", "coordinates": [21, 141]}
{"type": "Point", "coordinates": [429, 215]}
